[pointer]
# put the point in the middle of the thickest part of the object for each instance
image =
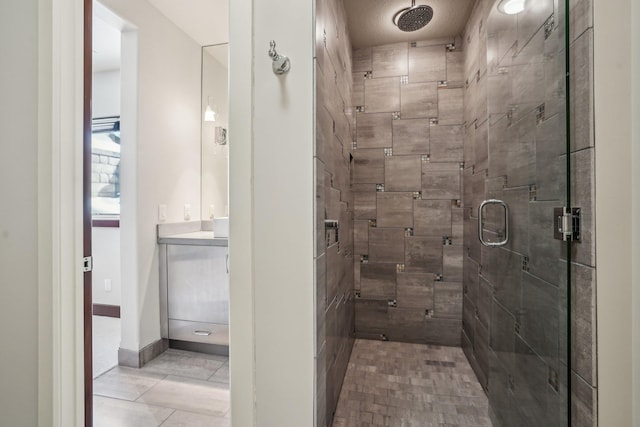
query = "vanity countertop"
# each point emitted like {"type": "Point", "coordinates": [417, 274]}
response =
{"type": "Point", "coordinates": [195, 238]}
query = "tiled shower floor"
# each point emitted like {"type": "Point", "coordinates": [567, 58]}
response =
{"type": "Point", "coordinates": [410, 385]}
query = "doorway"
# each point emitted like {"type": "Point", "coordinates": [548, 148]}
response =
{"type": "Point", "coordinates": [160, 178]}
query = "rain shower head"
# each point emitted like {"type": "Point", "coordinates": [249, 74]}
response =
{"type": "Point", "coordinates": [413, 18]}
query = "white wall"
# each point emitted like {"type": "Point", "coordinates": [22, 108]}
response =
{"type": "Point", "coordinates": [242, 287]}
{"type": "Point", "coordinates": [105, 242]}
{"type": "Point", "coordinates": [277, 276]}
{"type": "Point", "coordinates": [161, 157]}
{"type": "Point", "coordinates": [635, 52]}
{"type": "Point", "coordinates": [106, 265]}
{"type": "Point", "coordinates": [615, 223]}
{"type": "Point", "coordinates": [215, 158]}
{"type": "Point", "coordinates": [105, 99]}
{"type": "Point", "coordinates": [18, 213]}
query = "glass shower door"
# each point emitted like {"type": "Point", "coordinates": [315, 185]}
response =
{"type": "Point", "coordinates": [524, 258]}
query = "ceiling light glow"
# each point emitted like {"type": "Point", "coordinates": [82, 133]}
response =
{"type": "Point", "coordinates": [511, 7]}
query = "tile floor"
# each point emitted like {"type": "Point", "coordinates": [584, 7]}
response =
{"type": "Point", "coordinates": [387, 384]}
{"type": "Point", "coordinates": [178, 388]}
{"type": "Point", "coordinates": [410, 385]}
{"type": "Point", "coordinates": [106, 340]}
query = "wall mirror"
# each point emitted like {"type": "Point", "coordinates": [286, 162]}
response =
{"type": "Point", "coordinates": [214, 137]}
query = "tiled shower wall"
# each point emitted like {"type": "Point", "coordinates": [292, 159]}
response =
{"type": "Point", "coordinates": [407, 189]}
{"type": "Point", "coordinates": [514, 297]}
{"type": "Point", "coordinates": [334, 245]}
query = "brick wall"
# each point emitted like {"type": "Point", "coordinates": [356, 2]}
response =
{"type": "Point", "coordinates": [105, 173]}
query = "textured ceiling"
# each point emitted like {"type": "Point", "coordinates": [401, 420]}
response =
{"type": "Point", "coordinates": [370, 21]}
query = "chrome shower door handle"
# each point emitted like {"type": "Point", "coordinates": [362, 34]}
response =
{"type": "Point", "coordinates": [481, 223]}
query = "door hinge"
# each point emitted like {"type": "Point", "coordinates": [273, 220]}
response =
{"type": "Point", "coordinates": [567, 224]}
{"type": "Point", "coordinates": [87, 264]}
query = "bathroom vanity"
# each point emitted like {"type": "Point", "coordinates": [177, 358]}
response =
{"type": "Point", "coordinates": [194, 287]}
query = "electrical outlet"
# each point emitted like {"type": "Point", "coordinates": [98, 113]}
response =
{"type": "Point", "coordinates": [187, 212]}
{"type": "Point", "coordinates": [107, 285]}
{"type": "Point", "coordinates": [211, 211]}
{"type": "Point", "coordinates": [162, 212]}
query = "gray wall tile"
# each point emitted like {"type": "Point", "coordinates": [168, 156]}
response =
{"type": "Point", "coordinates": [581, 60]}
{"type": "Point", "coordinates": [583, 403]}
{"type": "Point", "coordinates": [503, 269]}
{"type": "Point", "coordinates": [580, 16]}
{"type": "Point", "coordinates": [390, 60]}
{"type": "Point", "coordinates": [446, 143]}
{"type": "Point", "coordinates": [378, 281]}
{"type": "Point", "coordinates": [441, 181]}
{"type": "Point", "coordinates": [419, 100]}
{"type": "Point", "coordinates": [540, 321]}
{"type": "Point", "coordinates": [415, 290]}
{"type": "Point", "coordinates": [452, 269]}
{"type": "Point", "coordinates": [372, 316]}
{"type": "Point", "coordinates": [481, 349]}
{"type": "Point", "coordinates": [432, 218]}
{"type": "Point", "coordinates": [395, 210]}
{"type": "Point", "coordinates": [448, 299]}
{"type": "Point", "coordinates": [583, 196]}
{"type": "Point", "coordinates": [470, 279]}
{"type": "Point", "coordinates": [360, 238]}
{"type": "Point", "coordinates": [455, 66]}
{"type": "Point", "coordinates": [427, 64]}
{"type": "Point", "coordinates": [386, 245]}
{"type": "Point", "coordinates": [450, 106]}
{"type": "Point", "coordinates": [373, 130]}
{"type": "Point", "coordinates": [469, 321]}
{"type": "Point", "coordinates": [502, 336]}
{"type": "Point", "coordinates": [583, 340]}
{"type": "Point", "coordinates": [335, 272]}
{"type": "Point", "coordinates": [368, 166]}
{"type": "Point", "coordinates": [382, 95]}
{"type": "Point", "coordinates": [411, 136]}
{"type": "Point", "coordinates": [423, 254]}
{"type": "Point", "coordinates": [362, 60]}
{"type": "Point", "coordinates": [485, 296]}
{"type": "Point", "coordinates": [364, 204]}
{"type": "Point", "coordinates": [358, 89]}
{"type": "Point", "coordinates": [402, 173]}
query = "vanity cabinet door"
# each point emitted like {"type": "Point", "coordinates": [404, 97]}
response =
{"type": "Point", "coordinates": [198, 283]}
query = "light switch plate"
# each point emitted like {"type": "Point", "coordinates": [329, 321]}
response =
{"type": "Point", "coordinates": [107, 285]}
{"type": "Point", "coordinates": [162, 212]}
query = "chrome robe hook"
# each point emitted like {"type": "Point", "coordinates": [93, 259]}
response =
{"type": "Point", "coordinates": [281, 64]}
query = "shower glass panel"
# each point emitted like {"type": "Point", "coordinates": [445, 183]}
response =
{"type": "Point", "coordinates": [527, 277]}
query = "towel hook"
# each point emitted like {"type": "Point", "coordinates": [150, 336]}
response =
{"type": "Point", "coordinates": [281, 64]}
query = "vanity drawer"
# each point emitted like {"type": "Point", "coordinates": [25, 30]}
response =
{"type": "Point", "coordinates": [206, 333]}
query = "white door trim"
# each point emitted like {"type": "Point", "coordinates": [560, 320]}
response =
{"type": "Point", "coordinates": [60, 376]}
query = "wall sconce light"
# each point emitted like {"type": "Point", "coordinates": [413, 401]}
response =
{"type": "Point", "coordinates": [209, 113]}
{"type": "Point", "coordinates": [511, 7]}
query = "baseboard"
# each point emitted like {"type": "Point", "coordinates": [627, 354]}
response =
{"type": "Point", "coordinates": [137, 359]}
{"type": "Point", "coordinates": [106, 310]}
{"type": "Point", "coordinates": [217, 349]}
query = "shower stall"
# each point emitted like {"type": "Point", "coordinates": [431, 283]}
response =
{"type": "Point", "coordinates": [454, 202]}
